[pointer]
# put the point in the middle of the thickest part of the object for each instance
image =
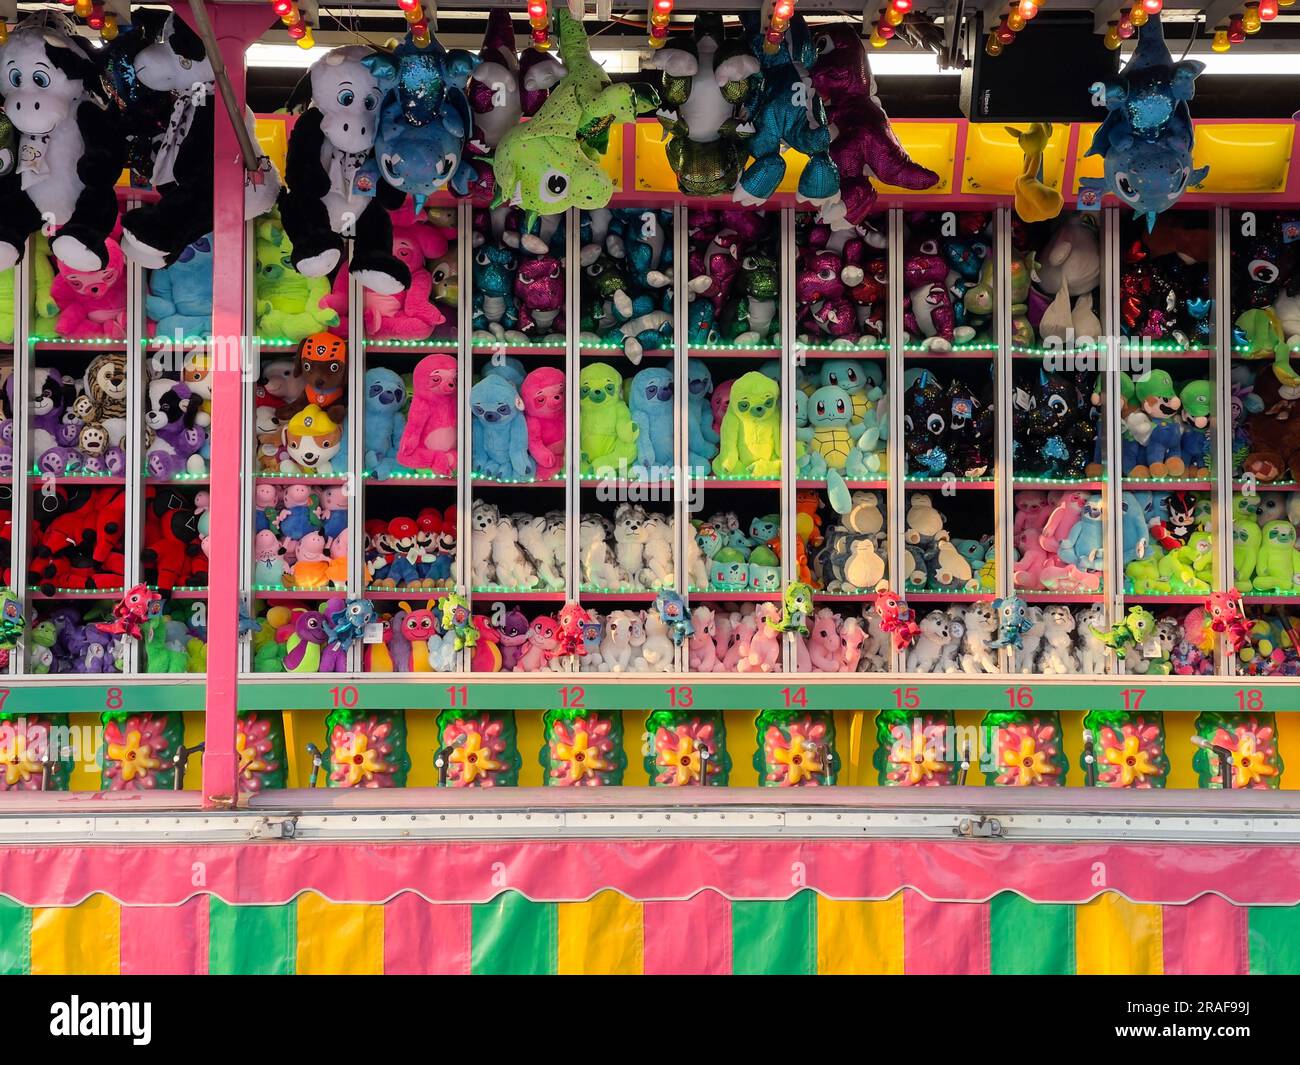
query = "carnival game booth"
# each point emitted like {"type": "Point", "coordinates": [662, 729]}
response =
{"type": "Point", "coordinates": [420, 490]}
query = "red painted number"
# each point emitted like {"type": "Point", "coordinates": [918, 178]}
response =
{"type": "Point", "coordinates": [573, 697]}
{"type": "Point", "coordinates": [1252, 700]}
{"type": "Point", "coordinates": [113, 699]}
{"type": "Point", "coordinates": [458, 694]}
{"type": "Point", "coordinates": [1133, 698]}
{"type": "Point", "coordinates": [346, 697]}
{"type": "Point", "coordinates": [907, 698]}
{"type": "Point", "coordinates": [1021, 698]}
{"type": "Point", "coordinates": [795, 697]}
{"type": "Point", "coordinates": [4, 694]}
{"type": "Point", "coordinates": [681, 697]}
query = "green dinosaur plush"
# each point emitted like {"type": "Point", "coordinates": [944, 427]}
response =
{"type": "Point", "coordinates": [796, 608]}
{"type": "Point", "coordinates": [45, 311]}
{"type": "Point", "coordinates": [751, 430]}
{"type": "Point", "coordinates": [1246, 540]}
{"type": "Point", "coordinates": [1278, 566]}
{"type": "Point", "coordinates": [1264, 334]}
{"type": "Point", "coordinates": [288, 304]}
{"type": "Point", "coordinates": [552, 162]}
{"type": "Point", "coordinates": [606, 432]}
{"type": "Point", "coordinates": [1145, 575]}
{"type": "Point", "coordinates": [1133, 631]}
{"type": "Point", "coordinates": [1190, 568]}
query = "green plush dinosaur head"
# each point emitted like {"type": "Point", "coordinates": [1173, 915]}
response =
{"type": "Point", "coordinates": [754, 397]}
{"type": "Point", "coordinates": [1141, 623]}
{"type": "Point", "coordinates": [547, 175]}
{"type": "Point", "coordinates": [600, 383]}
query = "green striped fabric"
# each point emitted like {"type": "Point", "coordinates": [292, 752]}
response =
{"type": "Point", "coordinates": [15, 939]}
{"type": "Point", "coordinates": [775, 938]}
{"type": "Point", "coordinates": [513, 936]}
{"type": "Point", "coordinates": [1274, 940]}
{"type": "Point", "coordinates": [252, 940]}
{"type": "Point", "coordinates": [1030, 939]}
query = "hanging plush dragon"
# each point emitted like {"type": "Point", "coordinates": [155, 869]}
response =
{"type": "Point", "coordinates": [552, 162]}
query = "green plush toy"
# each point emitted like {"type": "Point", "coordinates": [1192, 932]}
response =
{"type": "Point", "coordinates": [1246, 540]}
{"type": "Point", "coordinates": [606, 432]}
{"type": "Point", "coordinates": [751, 430]}
{"type": "Point", "coordinates": [1136, 628]}
{"type": "Point", "coordinates": [158, 657]}
{"type": "Point", "coordinates": [288, 304]}
{"type": "Point", "coordinates": [45, 311]}
{"type": "Point", "coordinates": [1145, 575]}
{"type": "Point", "coordinates": [552, 162]}
{"type": "Point", "coordinates": [796, 608]}
{"type": "Point", "coordinates": [1277, 568]}
{"type": "Point", "coordinates": [1189, 569]}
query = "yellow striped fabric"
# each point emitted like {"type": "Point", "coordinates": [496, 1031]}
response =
{"type": "Point", "coordinates": [603, 936]}
{"type": "Point", "coordinates": [339, 939]}
{"type": "Point", "coordinates": [83, 940]}
{"type": "Point", "coordinates": [860, 938]}
{"type": "Point", "coordinates": [1115, 937]}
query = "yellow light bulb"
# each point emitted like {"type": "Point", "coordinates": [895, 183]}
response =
{"type": "Point", "coordinates": [1016, 21]}
{"type": "Point", "coordinates": [306, 41]}
{"type": "Point", "coordinates": [1112, 36]}
{"type": "Point", "coordinates": [993, 46]}
{"type": "Point", "coordinates": [1138, 15]}
{"type": "Point", "coordinates": [893, 16]}
{"type": "Point", "coordinates": [877, 41]}
{"type": "Point", "coordinates": [84, 8]}
{"type": "Point", "coordinates": [1251, 21]}
{"type": "Point", "coordinates": [1221, 42]}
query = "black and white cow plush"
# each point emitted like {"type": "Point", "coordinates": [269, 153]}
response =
{"type": "Point", "coordinates": [335, 188]}
{"type": "Point", "coordinates": [69, 151]}
{"type": "Point", "coordinates": [173, 61]}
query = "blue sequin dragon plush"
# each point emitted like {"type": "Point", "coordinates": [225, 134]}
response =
{"type": "Point", "coordinates": [1146, 139]}
{"type": "Point", "coordinates": [426, 121]}
{"type": "Point", "coordinates": [784, 108]}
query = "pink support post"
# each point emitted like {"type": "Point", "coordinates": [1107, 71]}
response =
{"type": "Point", "coordinates": [236, 26]}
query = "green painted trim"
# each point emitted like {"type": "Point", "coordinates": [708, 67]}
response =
{"type": "Point", "coordinates": [252, 940]}
{"type": "Point", "coordinates": [775, 938]}
{"type": "Point", "coordinates": [514, 936]}
{"type": "Point", "coordinates": [41, 695]}
{"type": "Point", "coordinates": [15, 939]}
{"type": "Point", "coordinates": [1274, 940]}
{"type": "Point", "coordinates": [1030, 939]}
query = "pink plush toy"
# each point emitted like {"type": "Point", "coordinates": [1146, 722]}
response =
{"type": "Point", "coordinates": [311, 570]}
{"type": "Point", "coordinates": [763, 652]}
{"type": "Point", "coordinates": [1032, 509]}
{"type": "Point", "coordinates": [1069, 506]}
{"type": "Point", "coordinates": [1028, 571]}
{"type": "Point", "coordinates": [543, 642]}
{"type": "Point", "coordinates": [702, 652]}
{"type": "Point", "coordinates": [539, 284]}
{"type": "Point", "coordinates": [719, 401]}
{"type": "Point", "coordinates": [542, 393]}
{"type": "Point", "coordinates": [429, 439]}
{"type": "Point", "coordinates": [824, 643]}
{"type": "Point", "coordinates": [409, 315]}
{"type": "Point", "coordinates": [92, 303]}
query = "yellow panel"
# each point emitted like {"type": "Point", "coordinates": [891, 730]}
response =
{"type": "Point", "coordinates": [860, 938]}
{"type": "Point", "coordinates": [932, 144]}
{"type": "Point", "coordinates": [612, 161]}
{"type": "Point", "coordinates": [601, 937]}
{"type": "Point", "coordinates": [339, 939]}
{"type": "Point", "coordinates": [635, 741]}
{"type": "Point", "coordinates": [528, 729]}
{"type": "Point", "coordinates": [421, 742]}
{"type": "Point", "coordinates": [970, 719]}
{"type": "Point", "coordinates": [273, 139]}
{"type": "Point", "coordinates": [82, 940]}
{"type": "Point", "coordinates": [194, 732]}
{"type": "Point", "coordinates": [740, 745]}
{"type": "Point", "coordinates": [1244, 156]}
{"type": "Point", "coordinates": [1115, 937]}
{"type": "Point", "coordinates": [994, 160]}
{"type": "Point", "coordinates": [1288, 746]}
{"type": "Point", "coordinates": [653, 174]}
{"type": "Point", "coordinates": [1179, 749]}
{"type": "Point", "coordinates": [1091, 166]}
{"type": "Point", "coordinates": [87, 731]}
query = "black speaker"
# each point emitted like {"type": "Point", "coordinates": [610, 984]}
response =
{"type": "Point", "coordinates": [1044, 75]}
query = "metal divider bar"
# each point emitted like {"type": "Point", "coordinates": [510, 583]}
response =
{"type": "Point", "coordinates": [572, 371]}
{"type": "Point", "coordinates": [464, 373]}
{"type": "Point", "coordinates": [20, 493]}
{"type": "Point", "coordinates": [1221, 419]}
{"type": "Point", "coordinates": [134, 490]}
{"type": "Point", "coordinates": [791, 359]}
{"type": "Point", "coordinates": [1112, 420]}
{"type": "Point", "coordinates": [1003, 504]}
{"type": "Point", "coordinates": [682, 473]}
{"type": "Point", "coordinates": [356, 475]}
{"type": "Point", "coordinates": [895, 495]}
{"type": "Point", "coordinates": [251, 350]}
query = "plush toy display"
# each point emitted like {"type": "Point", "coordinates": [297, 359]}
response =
{"type": "Point", "coordinates": [863, 144]}
{"type": "Point", "coordinates": [1146, 139]}
{"type": "Point", "coordinates": [289, 305]}
{"type": "Point", "coordinates": [501, 90]}
{"type": "Point", "coordinates": [607, 432]}
{"type": "Point", "coordinates": [179, 302]}
{"type": "Point", "coordinates": [428, 438]}
{"type": "Point", "coordinates": [334, 183]}
{"type": "Point", "coordinates": [706, 78]}
{"type": "Point", "coordinates": [750, 444]}
{"type": "Point", "coordinates": [543, 394]}
{"type": "Point", "coordinates": [551, 162]}
{"type": "Point", "coordinates": [69, 150]}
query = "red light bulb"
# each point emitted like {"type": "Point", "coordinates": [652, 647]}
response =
{"type": "Point", "coordinates": [783, 9]}
{"type": "Point", "coordinates": [1268, 10]}
{"type": "Point", "coordinates": [420, 28]}
{"type": "Point", "coordinates": [536, 10]}
{"type": "Point", "coordinates": [408, 5]}
{"type": "Point", "coordinates": [1153, 7]}
{"type": "Point", "coordinates": [1126, 28]}
{"type": "Point", "coordinates": [282, 7]}
{"type": "Point", "coordinates": [1236, 30]}
{"type": "Point", "coordinates": [902, 5]}
{"type": "Point", "coordinates": [664, 7]}
{"type": "Point", "coordinates": [297, 30]}
{"type": "Point", "coordinates": [1005, 33]}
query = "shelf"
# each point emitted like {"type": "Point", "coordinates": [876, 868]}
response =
{"type": "Point", "coordinates": [1164, 600]}
{"type": "Point", "coordinates": [1050, 485]}
{"type": "Point", "coordinates": [922, 485]}
{"type": "Point", "coordinates": [37, 480]}
{"type": "Point", "coordinates": [398, 594]}
{"type": "Point", "coordinates": [1047, 596]}
{"type": "Point", "coordinates": [1260, 486]}
{"type": "Point", "coordinates": [853, 486]}
{"type": "Point", "coordinates": [1267, 599]}
{"type": "Point", "coordinates": [593, 351]}
{"type": "Point", "coordinates": [844, 597]}
{"type": "Point", "coordinates": [66, 594]}
{"type": "Point", "coordinates": [55, 345]}
{"type": "Point", "coordinates": [625, 596]}
{"type": "Point", "coordinates": [408, 480]}
{"type": "Point", "coordinates": [288, 478]}
{"type": "Point", "coordinates": [434, 346]}
{"type": "Point", "coordinates": [733, 597]}
{"type": "Point", "coordinates": [517, 595]}
{"type": "Point", "coordinates": [199, 480]}
{"type": "Point", "coordinates": [486, 482]}
{"type": "Point", "coordinates": [523, 350]}
{"type": "Point", "coordinates": [181, 593]}
{"type": "Point", "coordinates": [842, 351]}
{"type": "Point", "coordinates": [317, 594]}
{"type": "Point", "coordinates": [949, 597]}
{"type": "Point", "coordinates": [725, 351]}
{"type": "Point", "coordinates": [1171, 484]}
{"type": "Point", "coordinates": [732, 485]}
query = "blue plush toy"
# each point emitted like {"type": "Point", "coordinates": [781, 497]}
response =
{"type": "Point", "coordinates": [703, 444]}
{"type": "Point", "coordinates": [500, 436]}
{"type": "Point", "coordinates": [785, 109]}
{"type": "Point", "coordinates": [1146, 139]}
{"type": "Point", "coordinates": [507, 366]}
{"type": "Point", "coordinates": [1084, 545]}
{"type": "Point", "coordinates": [384, 421]}
{"type": "Point", "coordinates": [494, 289]}
{"type": "Point", "coordinates": [651, 403]}
{"type": "Point", "coordinates": [426, 121]}
{"type": "Point", "coordinates": [180, 296]}
{"type": "Point", "coordinates": [1135, 514]}
{"type": "Point", "coordinates": [1012, 622]}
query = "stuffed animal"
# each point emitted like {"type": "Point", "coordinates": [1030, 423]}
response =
{"type": "Point", "coordinates": [425, 122]}
{"type": "Point", "coordinates": [384, 424]}
{"type": "Point", "coordinates": [69, 148]}
{"type": "Point", "coordinates": [750, 444]}
{"type": "Point", "coordinates": [179, 301]}
{"type": "Point", "coordinates": [500, 433]}
{"type": "Point", "coordinates": [551, 162]}
{"type": "Point", "coordinates": [651, 404]}
{"type": "Point", "coordinates": [334, 183]}
{"type": "Point", "coordinates": [429, 435]}
{"type": "Point", "coordinates": [607, 433]}
{"type": "Point", "coordinates": [289, 305]}
{"type": "Point", "coordinates": [92, 303]}
{"type": "Point", "coordinates": [1034, 201]}
{"type": "Point", "coordinates": [311, 441]}
{"type": "Point", "coordinates": [175, 62]}
{"type": "Point", "coordinates": [1013, 622]}
{"type": "Point", "coordinates": [543, 395]}
{"type": "Point", "coordinates": [177, 440]}
{"type": "Point", "coordinates": [706, 77]}
{"type": "Point", "coordinates": [501, 88]}
{"type": "Point", "coordinates": [1134, 631]}
{"type": "Point", "coordinates": [863, 144]}
{"type": "Point", "coordinates": [1146, 140]}
{"type": "Point", "coordinates": [409, 315]}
